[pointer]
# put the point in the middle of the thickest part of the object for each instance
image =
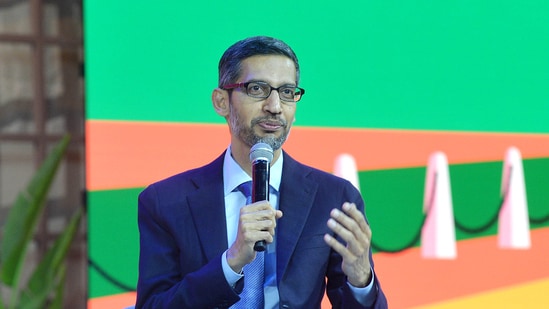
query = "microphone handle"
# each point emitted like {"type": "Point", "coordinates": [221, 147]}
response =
{"type": "Point", "coordinates": [260, 190]}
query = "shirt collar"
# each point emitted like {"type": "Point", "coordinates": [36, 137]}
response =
{"type": "Point", "coordinates": [234, 175]}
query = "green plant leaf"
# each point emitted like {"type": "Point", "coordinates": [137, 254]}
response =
{"type": "Point", "coordinates": [35, 302]}
{"type": "Point", "coordinates": [39, 301]}
{"type": "Point", "coordinates": [57, 302]}
{"type": "Point", "coordinates": [24, 215]}
{"type": "Point", "coordinates": [46, 274]}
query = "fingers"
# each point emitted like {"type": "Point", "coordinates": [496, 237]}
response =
{"type": "Point", "coordinates": [258, 222]}
{"type": "Point", "coordinates": [337, 246]}
{"type": "Point", "coordinates": [350, 224]}
{"type": "Point", "coordinates": [358, 217]}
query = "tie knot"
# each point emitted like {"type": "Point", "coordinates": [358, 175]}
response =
{"type": "Point", "coordinates": [246, 189]}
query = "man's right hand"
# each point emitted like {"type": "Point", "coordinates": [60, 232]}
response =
{"type": "Point", "coordinates": [257, 222]}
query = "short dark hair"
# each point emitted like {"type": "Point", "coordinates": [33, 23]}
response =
{"type": "Point", "coordinates": [230, 62]}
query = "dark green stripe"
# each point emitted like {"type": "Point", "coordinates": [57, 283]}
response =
{"type": "Point", "coordinates": [394, 199]}
{"type": "Point", "coordinates": [113, 239]}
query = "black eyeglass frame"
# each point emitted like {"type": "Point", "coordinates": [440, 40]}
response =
{"type": "Point", "coordinates": [245, 86]}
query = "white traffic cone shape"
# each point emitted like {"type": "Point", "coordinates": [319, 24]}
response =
{"type": "Point", "coordinates": [438, 235]}
{"type": "Point", "coordinates": [514, 227]}
{"type": "Point", "coordinates": [345, 167]}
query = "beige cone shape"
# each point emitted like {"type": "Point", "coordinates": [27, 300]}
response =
{"type": "Point", "coordinates": [346, 168]}
{"type": "Point", "coordinates": [438, 236]}
{"type": "Point", "coordinates": [514, 225]}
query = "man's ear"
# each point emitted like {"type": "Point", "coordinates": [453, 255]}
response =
{"type": "Point", "coordinates": [220, 101]}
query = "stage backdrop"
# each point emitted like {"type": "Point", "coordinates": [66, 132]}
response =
{"type": "Point", "coordinates": [388, 82]}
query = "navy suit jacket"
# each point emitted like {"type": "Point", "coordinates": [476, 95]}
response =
{"type": "Point", "coordinates": [183, 235]}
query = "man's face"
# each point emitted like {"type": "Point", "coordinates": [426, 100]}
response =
{"type": "Point", "coordinates": [269, 120]}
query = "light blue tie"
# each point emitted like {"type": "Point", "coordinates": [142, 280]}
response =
{"type": "Point", "coordinates": [252, 294]}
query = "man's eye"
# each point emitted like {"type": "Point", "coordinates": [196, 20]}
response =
{"type": "Point", "coordinates": [288, 91]}
{"type": "Point", "coordinates": [256, 89]}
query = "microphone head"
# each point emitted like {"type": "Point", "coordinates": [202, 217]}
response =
{"type": "Point", "coordinates": [261, 151]}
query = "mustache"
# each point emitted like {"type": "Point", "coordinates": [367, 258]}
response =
{"type": "Point", "coordinates": [270, 119]}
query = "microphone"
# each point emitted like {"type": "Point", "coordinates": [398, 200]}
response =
{"type": "Point", "coordinates": [261, 156]}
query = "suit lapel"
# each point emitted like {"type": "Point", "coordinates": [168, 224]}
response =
{"type": "Point", "coordinates": [296, 202]}
{"type": "Point", "coordinates": [207, 206]}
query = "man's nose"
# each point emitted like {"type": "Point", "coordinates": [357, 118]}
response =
{"type": "Point", "coordinates": [273, 103]}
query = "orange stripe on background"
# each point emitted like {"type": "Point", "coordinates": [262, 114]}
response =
{"type": "Point", "coordinates": [134, 154]}
{"type": "Point", "coordinates": [480, 266]}
{"type": "Point", "coordinates": [118, 301]}
{"type": "Point", "coordinates": [531, 295]}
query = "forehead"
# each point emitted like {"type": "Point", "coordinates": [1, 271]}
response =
{"type": "Point", "coordinates": [269, 68]}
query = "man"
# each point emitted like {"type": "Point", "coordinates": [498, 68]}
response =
{"type": "Point", "coordinates": [197, 235]}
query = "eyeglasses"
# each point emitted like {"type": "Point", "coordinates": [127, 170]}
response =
{"type": "Point", "coordinates": [262, 90]}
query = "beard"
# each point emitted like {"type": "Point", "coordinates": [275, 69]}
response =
{"type": "Point", "coordinates": [247, 134]}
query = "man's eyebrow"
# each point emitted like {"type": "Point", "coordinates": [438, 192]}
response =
{"type": "Point", "coordinates": [293, 84]}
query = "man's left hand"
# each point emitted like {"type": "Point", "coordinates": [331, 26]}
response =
{"type": "Point", "coordinates": [350, 224]}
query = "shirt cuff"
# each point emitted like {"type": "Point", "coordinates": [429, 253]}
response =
{"type": "Point", "coordinates": [229, 273]}
{"type": "Point", "coordinates": [364, 295]}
